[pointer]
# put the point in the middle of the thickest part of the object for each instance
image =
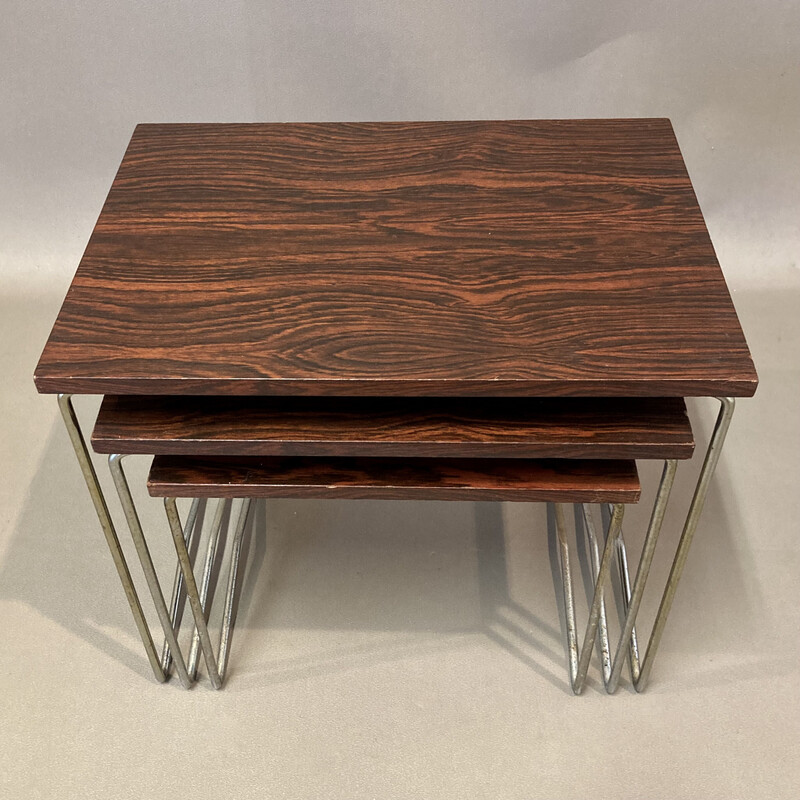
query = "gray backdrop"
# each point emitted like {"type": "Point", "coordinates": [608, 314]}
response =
{"type": "Point", "coordinates": [76, 77]}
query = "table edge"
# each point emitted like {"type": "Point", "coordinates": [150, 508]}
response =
{"type": "Point", "coordinates": [742, 386]}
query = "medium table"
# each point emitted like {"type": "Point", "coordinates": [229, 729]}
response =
{"type": "Point", "coordinates": [488, 259]}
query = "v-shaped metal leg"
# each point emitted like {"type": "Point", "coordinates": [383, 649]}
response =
{"type": "Point", "coordinates": [632, 595]}
{"type": "Point", "coordinates": [139, 541]}
{"type": "Point", "coordinates": [579, 659]}
{"type": "Point", "coordinates": [109, 531]}
{"type": "Point", "coordinates": [597, 628]}
{"type": "Point", "coordinates": [632, 600]}
{"type": "Point", "coordinates": [199, 603]}
{"type": "Point", "coordinates": [710, 461]}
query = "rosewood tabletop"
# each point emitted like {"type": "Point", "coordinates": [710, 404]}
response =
{"type": "Point", "coordinates": [438, 427]}
{"type": "Point", "coordinates": [515, 258]}
{"type": "Point", "coordinates": [401, 478]}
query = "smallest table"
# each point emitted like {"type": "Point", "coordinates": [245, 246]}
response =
{"type": "Point", "coordinates": [557, 481]}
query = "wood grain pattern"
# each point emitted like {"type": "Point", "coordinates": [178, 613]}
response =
{"type": "Point", "coordinates": [434, 427]}
{"type": "Point", "coordinates": [401, 478]}
{"type": "Point", "coordinates": [519, 258]}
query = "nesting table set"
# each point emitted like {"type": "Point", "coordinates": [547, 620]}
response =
{"type": "Point", "coordinates": [495, 310]}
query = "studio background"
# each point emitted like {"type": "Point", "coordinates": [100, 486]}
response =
{"type": "Point", "coordinates": [368, 661]}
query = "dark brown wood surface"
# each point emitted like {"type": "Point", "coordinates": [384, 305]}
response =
{"type": "Point", "coordinates": [401, 478]}
{"type": "Point", "coordinates": [396, 427]}
{"type": "Point", "coordinates": [525, 258]}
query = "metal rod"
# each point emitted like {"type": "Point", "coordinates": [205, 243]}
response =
{"type": "Point", "coordinates": [648, 550]}
{"type": "Point", "coordinates": [625, 596]}
{"type": "Point", "coordinates": [137, 534]}
{"type": "Point", "coordinates": [228, 618]}
{"type": "Point", "coordinates": [599, 587]}
{"type": "Point", "coordinates": [689, 527]}
{"type": "Point", "coordinates": [625, 586]}
{"type": "Point", "coordinates": [191, 590]}
{"type": "Point", "coordinates": [178, 595]}
{"type": "Point", "coordinates": [208, 565]}
{"type": "Point", "coordinates": [594, 556]}
{"type": "Point", "coordinates": [569, 598]}
{"type": "Point", "coordinates": [101, 508]}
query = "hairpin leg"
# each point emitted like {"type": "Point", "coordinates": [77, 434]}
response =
{"type": "Point", "coordinates": [137, 534]}
{"type": "Point", "coordinates": [106, 523]}
{"type": "Point", "coordinates": [690, 526]}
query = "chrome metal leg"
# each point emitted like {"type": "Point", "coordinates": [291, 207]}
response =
{"type": "Point", "coordinates": [599, 588]}
{"type": "Point", "coordinates": [191, 590]}
{"type": "Point", "coordinates": [211, 554]}
{"type": "Point", "coordinates": [635, 598]}
{"type": "Point", "coordinates": [690, 526]}
{"type": "Point", "coordinates": [178, 595]}
{"type": "Point", "coordinates": [625, 596]}
{"type": "Point", "coordinates": [230, 597]}
{"type": "Point", "coordinates": [569, 597]}
{"type": "Point", "coordinates": [594, 558]}
{"type": "Point", "coordinates": [625, 587]}
{"type": "Point", "coordinates": [137, 534]}
{"type": "Point", "coordinates": [579, 660]}
{"type": "Point", "coordinates": [216, 666]}
{"type": "Point", "coordinates": [106, 523]}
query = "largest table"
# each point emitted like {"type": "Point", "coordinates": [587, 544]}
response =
{"type": "Point", "coordinates": [449, 259]}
